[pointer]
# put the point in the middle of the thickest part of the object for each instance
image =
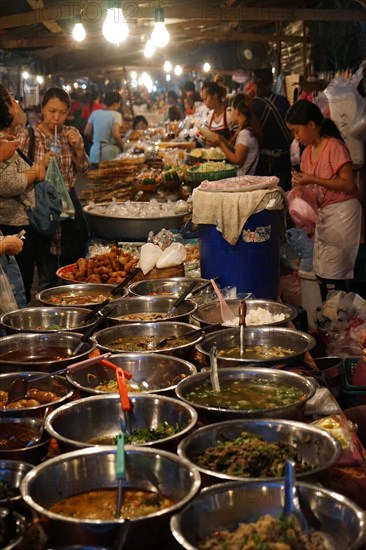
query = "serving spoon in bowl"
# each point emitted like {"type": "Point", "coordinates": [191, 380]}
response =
{"type": "Point", "coordinates": [291, 507]}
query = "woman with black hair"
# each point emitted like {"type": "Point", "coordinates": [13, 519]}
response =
{"type": "Point", "coordinates": [326, 166]}
{"type": "Point", "coordinates": [245, 152]}
{"type": "Point", "coordinates": [219, 118]}
{"type": "Point", "coordinates": [69, 242]}
{"type": "Point", "coordinates": [104, 128]}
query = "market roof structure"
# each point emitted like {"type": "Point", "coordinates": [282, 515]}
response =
{"type": "Point", "coordinates": [43, 28]}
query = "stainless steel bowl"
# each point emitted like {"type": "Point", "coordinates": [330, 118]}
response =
{"type": "Point", "coordinates": [106, 336]}
{"type": "Point", "coordinates": [295, 340]}
{"type": "Point", "coordinates": [315, 446]}
{"type": "Point", "coordinates": [150, 305]}
{"type": "Point", "coordinates": [33, 453]}
{"type": "Point", "coordinates": [41, 352]}
{"type": "Point", "coordinates": [81, 423]}
{"type": "Point", "coordinates": [13, 527]}
{"type": "Point", "coordinates": [171, 287]}
{"type": "Point", "coordinates": [46, 319]}
{"type": "Point", "coordinates": [210, 314]}
{"type": "Point", "coordinates": [78, 291]}
{"type": "Point", "coordinates": [151, 373]}
{"type": "Point", "coordinates": [55, 384]}
{"type": "Point", "coordinates": [224, 506]}
{"type": "Point", "coordinates": [12, 473]}
{"type": "Point", "coordinates": [128, 229]}
{"type": "Point", "coordinates": [89, 469]}
{"type": "Point", "coordinates": [208, 415]}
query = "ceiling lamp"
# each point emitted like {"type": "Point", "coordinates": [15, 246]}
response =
{"type": "Point", "coordinates": [149, 49]}
{"type": "Point", "coordinates": [25, 75]}
{"type": "Point", "coordinates": [167, 66]}
{"type": "Point", "coordinates": [78, 32]}
{"type": "Point", "coordinates": [160, 35]}
{"type": "Point", "coordinates": [39, 79]}
{"type": "Point", "coordinates": [178, 70]}
{"type": "Point", "coordinates": [206, 67]}
{"type": "Point", "coordinates": [115, 28]}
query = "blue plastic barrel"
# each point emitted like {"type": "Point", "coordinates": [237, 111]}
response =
{"type": "Point", "coordinates": [253, 263]}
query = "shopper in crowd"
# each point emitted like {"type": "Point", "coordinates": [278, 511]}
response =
{"type": "Point", "coordinates": [174, 107]}
{"type": "Point", "coordinates": [270, 109]}
{"type": "Point", "coordinates": [139, 125]}
{"type": "Point", "coordinates": [104, 129]}
{"type": "Point", "coordinates": [33, 117]}
{"type": "Point", "coordinates": [326, 166]}
{"type": "Point", "coordinates": [243, 149]}
{"type": "Point", "coordinates": [17, 181]}
{"type": "Point", "coordinates": [76, 108]}
{"type": "Point", "coordinates": [220, 114]}
{"type": "Point", "coordinates": [69, 242]}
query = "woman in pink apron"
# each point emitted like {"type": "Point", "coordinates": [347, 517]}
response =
{"type": "Point", "coordinates": [326, 167]}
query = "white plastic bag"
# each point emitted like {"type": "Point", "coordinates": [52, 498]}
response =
{"type": "Point", "coordinates": [7, 302]}
{"type": "Point", "coordinates": [149, 255]}
{"type": "Point", "coordinates": [175, 254]}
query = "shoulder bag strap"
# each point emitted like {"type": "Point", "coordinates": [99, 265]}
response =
{"type": "Point", "coordinates": [31, 144]}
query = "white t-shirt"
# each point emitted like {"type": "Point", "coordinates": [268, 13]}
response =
{"type": "Point", "coordinates": [245, 137]}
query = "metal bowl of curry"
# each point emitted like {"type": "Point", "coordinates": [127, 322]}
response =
{"type": "Point", "coordinates": [151, 373]}
{"type": "Point", "coordinates": [144, 338]}
{"type": "Point", "coordinates": [268, 345]}
{"type": "Point", "coordinates": [148, 309]}
{"type": "Point", "coordinates": [68, 491]}
{"type": "Point", "coordinates": [154, 421]}
{"type": "Point", "coordinates": [247, 393]}
{"type": "Point", "coordinates": [46, 352]}
{"type": "Point", "coordinates": [85, 295]}
{"type": "Point", "coordinates": [256, 449]}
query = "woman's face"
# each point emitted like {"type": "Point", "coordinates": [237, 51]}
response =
{"type": "Point", "coordinates": [54, 114]}
{"type": "Point", "coordinates": [304, 133]}
{"type": "Point", "coordinates": [209, 100]}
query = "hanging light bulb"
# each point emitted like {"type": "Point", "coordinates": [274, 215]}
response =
{"type": "Point", "coordinates": [178, 70]}
{"type": "Point", "coordinates": [167, 66]}
{"type": "Point", "coordinates": [149, 49]}
{"type": "Point", "coordinates": [115, 28]}
{"type": "Point", "coordinates": [206, 67]}
{"type": "Point", "coordinates": [160, 35]}
{"type": "Point", "coordinates": [78, 32]}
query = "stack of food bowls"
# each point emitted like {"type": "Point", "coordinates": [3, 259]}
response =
{"type": "Point", "coordinates": [264, 312]}
{"type": "Point", "coordinates": [154, 420]}
{"type": "Point", "coordinates": [47, 393]}
{"type": "Point", "coordinates": [46, 352]}
{"type": "Point", "coordinates": [223, 507]}
{"type": "Point", "coordinates": [151, 373]}
{"type": "Point", "coordinates": [315, 450]}
{"type": "Point", "coordinates": [144, 337]}
{"type": "Point", "coordinates": [247, 393]}
{"type": "Point", "coordinates": [46, 319]}
{"type": "Point", "coordinates": [86, 470]}
{"type": "Point", "coordinates": [143, 309]}
{"type": "Point", "coordinates": [82, 294]}
{"type": "Point", "coordinates": [267, 345]}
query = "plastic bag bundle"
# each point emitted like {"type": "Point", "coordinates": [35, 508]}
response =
{"type": "Point", "coordinates": [7, 302]}
{"type": "Point", "coordinates": [54, 176]}
{"type": "Point", "coordinates": [303, 208]}
{"type": "Point", "coordinates": [175, 254]}
{"type": "Point", "coordinates": [149, 255]}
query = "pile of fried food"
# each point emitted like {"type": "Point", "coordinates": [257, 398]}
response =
{"type": "Point", "coordinates": [111, 267]}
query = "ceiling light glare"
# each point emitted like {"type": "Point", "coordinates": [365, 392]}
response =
{"type": "Point", "coordinates": [160, 35]}
{"type": "Point", "coordinates": [115, 28]}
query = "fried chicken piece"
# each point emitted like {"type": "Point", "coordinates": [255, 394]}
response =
{"type": "Point", "coordinates": [94, 279]}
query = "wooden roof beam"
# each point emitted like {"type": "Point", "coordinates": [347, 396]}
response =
{"type": "Point", "coordinates": [206, 11]}
{"type": "Point", "coordinates": [52, 26]}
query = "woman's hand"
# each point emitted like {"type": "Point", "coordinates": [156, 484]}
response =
{"type": "Point", "coordinates": [36, 173]}
{"type": "Point", "coordinates": [299, 178]}
{"type": "Point", "coordinates": [74, 138]}
{"type": "Point", "coordinates": [46, 158]}
{"type": "Point", "coordinates": [11, 245]}
{"type": "Point", "coordinates": [217, 140]}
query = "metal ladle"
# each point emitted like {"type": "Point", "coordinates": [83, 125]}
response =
{"type": "Point", "coordinates": [214, 376]}
{"type": "Point", "coordinates": [292, 508]}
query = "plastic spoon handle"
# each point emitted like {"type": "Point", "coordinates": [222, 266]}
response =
{"type": "Point", "coordinates": [122, 388]}
{"type": "Point", "coordinates": [75, 366]}
{"type": "Point", "coordinates": [181, 298]}
{"type": "Point", "coordinates": [120, 471]}
{"type": "Point", "coordinates": [242, 317]}
{"type": "Point", "coordinates": [129, 278]}
{"type": "Point", "coordinates": [226, 313]}
{"type": "Point", "coordinates": [214, 374]}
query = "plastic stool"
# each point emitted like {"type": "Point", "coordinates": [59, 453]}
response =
{"type": "Point", "coordinates": [310, 294]}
